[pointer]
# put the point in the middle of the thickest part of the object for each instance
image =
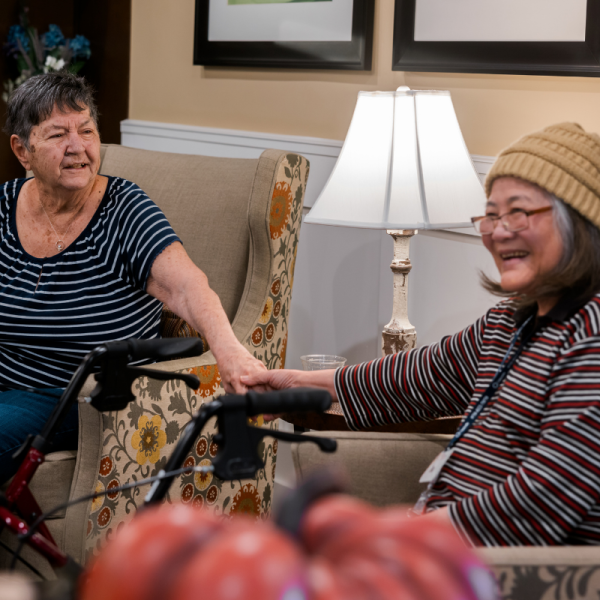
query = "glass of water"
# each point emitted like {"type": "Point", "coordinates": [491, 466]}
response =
{"type": "Point", "coordinates": [318, 362]}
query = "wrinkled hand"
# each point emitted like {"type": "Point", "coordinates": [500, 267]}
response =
{"type": "Point", "coordinates": [234, 364]}
{"type": "Point", "coordinates": [267, 381]}
{"type": "Point", "coordinates": [280, 379]}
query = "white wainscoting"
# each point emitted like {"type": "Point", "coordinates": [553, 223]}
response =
{"type": "Point", "coordinates": [342, 293]}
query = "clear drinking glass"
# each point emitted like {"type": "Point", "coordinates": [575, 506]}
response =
{"type": "Point", "coordinates": [318, 362]}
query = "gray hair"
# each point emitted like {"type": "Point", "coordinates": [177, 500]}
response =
{"type": "Point", "coordinates": [34, 100]}
{"type": "Point", "coordinates": [567, 220]}
{"type": "Point", "coordinates": [563, 221]}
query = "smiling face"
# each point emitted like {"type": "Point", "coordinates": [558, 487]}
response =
{"type": "Point", "coordinates": [64, 151]}
{"type": "Point", "coordinates": [525, 256]}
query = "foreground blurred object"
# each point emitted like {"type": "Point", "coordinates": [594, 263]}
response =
{"type": "Point", "coordinates": [334, 547]}
{"type": "Point", "coordinates": [182, 552]}
{"type": "Point", "coordinates": [14, 586]}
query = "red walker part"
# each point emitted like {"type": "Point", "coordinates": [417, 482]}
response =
{"type": "Point", "coordinates": [20, 499]}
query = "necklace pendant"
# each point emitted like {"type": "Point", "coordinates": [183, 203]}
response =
{"type": "Point", "coordinates": [39, 279]}
{"type": "Point", "coordinates": [60, 245]}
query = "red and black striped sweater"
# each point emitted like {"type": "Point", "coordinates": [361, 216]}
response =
{"type": "Point", "coordinates": [528, 471]}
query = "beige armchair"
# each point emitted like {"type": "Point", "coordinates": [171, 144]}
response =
{"type": "Point", "coordinates": [239, 220]}
{"type": "Point", "coordinates": [384, 469]}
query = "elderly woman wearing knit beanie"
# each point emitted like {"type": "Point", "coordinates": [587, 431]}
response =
{"type": "Point", "coordinates": [524, 466]}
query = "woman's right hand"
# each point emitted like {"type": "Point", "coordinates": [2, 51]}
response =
{"type": "Point", "coordinates": [282, 379]}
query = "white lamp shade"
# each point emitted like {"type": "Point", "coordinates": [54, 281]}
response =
{"type": "Point", "coordinates": [404, 165]}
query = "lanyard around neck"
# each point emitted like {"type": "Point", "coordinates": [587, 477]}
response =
{"type": "Point", "coordinates": [507, 362]}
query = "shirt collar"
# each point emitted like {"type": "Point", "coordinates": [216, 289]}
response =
{"type": "Point", "coordinates": [565, 308]}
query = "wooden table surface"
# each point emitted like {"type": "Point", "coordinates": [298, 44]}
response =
{"type": "Point", "coordinates": [333, 420]}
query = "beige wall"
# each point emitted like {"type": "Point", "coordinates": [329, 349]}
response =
{"type": "Point", "coordinates": [493, 110]}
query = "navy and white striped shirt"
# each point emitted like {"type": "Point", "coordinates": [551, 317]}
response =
{"type": "Point", "coordinates": [92, 292]}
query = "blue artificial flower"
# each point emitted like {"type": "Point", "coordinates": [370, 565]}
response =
{"type": "Point", "coordinates": [53, 37]}
{"type": "Point", "coordinates": [16, 32]}
{"type": "Point", "coordinates": [80, 46]}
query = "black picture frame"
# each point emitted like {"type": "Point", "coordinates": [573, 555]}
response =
{"type": "Point", "coordinates": [515, 58]}
{"type": "Point", "coordinates": [353, 55]}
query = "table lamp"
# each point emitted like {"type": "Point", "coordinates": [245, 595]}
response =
{"type": "Point", "coordinates": [404, 166]}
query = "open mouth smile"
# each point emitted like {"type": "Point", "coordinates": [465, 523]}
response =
{"type": "Point", "coordinates": [76, 166]}
{"type": "Point", "coordinates": [513, 255]}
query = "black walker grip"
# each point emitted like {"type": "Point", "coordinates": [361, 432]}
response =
{"type": "Point", "coordinates": [165, 348]}
{"type": "Point", "coordinates": [292, 400]}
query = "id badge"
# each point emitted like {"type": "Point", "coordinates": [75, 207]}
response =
{"type": "Point", "coordinates": [433, 470]}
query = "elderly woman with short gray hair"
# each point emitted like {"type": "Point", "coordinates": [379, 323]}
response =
{"type": "Point", "coordinates": [524, 466]}
{"type": "Point", "coordinates": [84, 259]}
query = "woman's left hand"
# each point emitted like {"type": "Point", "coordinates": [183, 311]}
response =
{"type": "Point", "coordinates": [235, 362]}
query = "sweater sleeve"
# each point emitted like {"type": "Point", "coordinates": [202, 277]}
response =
{"type": "Point", "coordinates": [558, 483]}
{"type": "Point", "coordinates": [418, 385]}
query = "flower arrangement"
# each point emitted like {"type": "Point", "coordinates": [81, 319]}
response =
{"type": "Point", "coordinates": [34, 54]}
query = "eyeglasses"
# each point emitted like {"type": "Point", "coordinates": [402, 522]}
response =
{"type": "Point", "coordinates": [513, 221]}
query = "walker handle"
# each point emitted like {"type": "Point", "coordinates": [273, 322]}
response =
{"type": "Point", "coordinates": [284, 401]}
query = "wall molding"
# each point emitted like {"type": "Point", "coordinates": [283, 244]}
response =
{"type": "Point", "coordinates": [482, 163]}
{"type": "Point", "coordinates": [210, 141]}
{"type": "Point", "coordinates": [230, 137]}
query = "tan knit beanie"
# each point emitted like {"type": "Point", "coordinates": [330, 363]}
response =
{"type": "Point", "coordinates": [563, 159]}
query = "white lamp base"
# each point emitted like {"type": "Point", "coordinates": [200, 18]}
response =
{"type": "Point", "coordinates": [399, 335]}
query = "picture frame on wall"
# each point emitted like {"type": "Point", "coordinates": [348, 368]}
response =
{"type": "Point", "coordinates": [524, 37]}
{"type": "Point", "coordinates": [296, 34]}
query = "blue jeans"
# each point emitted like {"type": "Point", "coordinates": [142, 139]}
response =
{"type": "Point", "coordinates": [22, 413]}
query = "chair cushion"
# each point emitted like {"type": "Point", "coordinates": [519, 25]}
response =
{"type": "Point", "coordinates": [383, 468]}
{"type": "Point", "coordinates": [52, 482]}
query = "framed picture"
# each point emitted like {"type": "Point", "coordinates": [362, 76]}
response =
{"type": "Point", "coordinates": [300, 34]}
{"type": "Point", "coordinates": [525, 37]}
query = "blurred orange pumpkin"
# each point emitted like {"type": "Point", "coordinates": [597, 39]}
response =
{"type": "Point", "coordinates": [346, 550]}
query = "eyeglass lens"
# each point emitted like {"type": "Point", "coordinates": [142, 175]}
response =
{"type": "Point", "coordinates": [513, 222]}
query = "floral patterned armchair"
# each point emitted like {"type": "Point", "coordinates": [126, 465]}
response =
{"type": "Point", "coordinates": [545, 573]}
{"type": "Point", "coordinates": [239, 220]}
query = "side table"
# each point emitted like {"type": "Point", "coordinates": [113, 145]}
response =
{"type": "Point", "coordinates": [333, 420]}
